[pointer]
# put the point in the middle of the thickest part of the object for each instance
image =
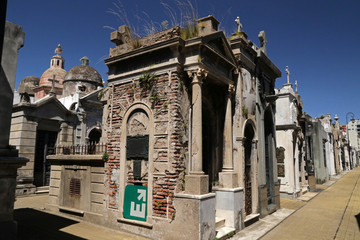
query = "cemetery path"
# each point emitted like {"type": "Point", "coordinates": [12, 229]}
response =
{"type": "Point", "coordinates": [35, 223]}
{"type": "Point", "coordinates": [332, 214]}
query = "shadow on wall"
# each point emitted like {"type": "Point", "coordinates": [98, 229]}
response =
{"type": "Point", "coordinates": [33, 224]}
{"type": "Point", "coordinates": [358, 220]}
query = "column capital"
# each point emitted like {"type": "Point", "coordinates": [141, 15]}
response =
{"type": "Point", "coordinates": [231, 89]}
{"type": "Point", "coordinates": [198, 75]}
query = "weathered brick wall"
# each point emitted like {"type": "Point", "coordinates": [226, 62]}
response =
{"type": "Point", "coordinates": [168, 100]}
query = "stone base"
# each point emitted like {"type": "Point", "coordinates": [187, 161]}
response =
{"type": "Point", "coordinates": [228, 179]}
{"type": "Point", "coordinates": [312, 182]}
{"type": "Point", "coordinates": [8, 172]}
{"type": "Point", "coordinates": [229, 204]}
{"type": "Point", "coordinates": [25, 189]}
{"type": "Point", "coordinates": [196, 214]}
{"type": "Point", "coordinates": [196, 184]}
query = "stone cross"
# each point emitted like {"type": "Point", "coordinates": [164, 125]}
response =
{"type": "Point", "coordinates": [288, 74]}
{"type": "Point", "coordinates": [295, 86]}
{"type": "Point", "coordinates": [53, 81]}
{"type": "Point", "coordinates": [238, 23]}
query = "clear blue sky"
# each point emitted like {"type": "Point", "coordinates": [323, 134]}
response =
{"type": "Point", "coordinates": [319, 40]}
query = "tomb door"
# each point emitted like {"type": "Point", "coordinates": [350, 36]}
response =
{"type": "Point", "coordinates": [249, 135]}
{"type": "Point", "coordinates": [45, 143]}
{"type": "Point", "coordinates": [269, 157]}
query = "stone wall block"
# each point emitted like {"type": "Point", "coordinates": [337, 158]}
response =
{"type": "Point", "coordinates": [97, 187]}
{"type": "Point", "coordinates": [161, 142]}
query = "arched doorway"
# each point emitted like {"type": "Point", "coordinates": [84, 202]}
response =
{"type": "Point", "coordinates": [94, 136]}
{"type": "Point", "coordinates": [249, 155]}
{"type": "Point", "coordinates": [137, 148]}
{"type": "Point", "coordinates": [269, 148]}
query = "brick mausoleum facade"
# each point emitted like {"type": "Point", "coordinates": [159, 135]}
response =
{"type": "Point", "coordinates": [188, 122]}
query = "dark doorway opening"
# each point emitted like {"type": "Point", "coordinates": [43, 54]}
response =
{"type": "Point", "coordinates": [213, 117]}
{"type": "Point", "coordinates": [45, 143]}
{"type": "Point", "coordinates": [269, 139]}
{"type": "Point", "coordinates": [94, 136]}
{"type": "Point", "coordinates": [248, 146]}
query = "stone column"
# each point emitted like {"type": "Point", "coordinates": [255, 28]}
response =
{"type": "Point", "coordinates": [196, 182]}
{"type": "Point", "coordinates": [227, 177]}
{"type": "Point", "coordinates": [228, 194]}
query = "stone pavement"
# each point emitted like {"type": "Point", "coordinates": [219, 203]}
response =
{"type": "Point", "coordinates": [35, 223]}
{"type": "Point", "coordinates": [333, 214]}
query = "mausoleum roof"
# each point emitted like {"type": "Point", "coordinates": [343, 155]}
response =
{"type": "Point", "coordinates": [28, 84]}
{"type": "Point", "coordinates": [84, 73]}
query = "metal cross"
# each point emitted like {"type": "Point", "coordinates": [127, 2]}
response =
{"type": "Point", "coordinates": [288, 74]}
{"type": "Point", "coordinates": [237, 21]}
{"type": "Point", "coordinates": [53, 81]}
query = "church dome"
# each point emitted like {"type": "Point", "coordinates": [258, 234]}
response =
{"type": "Point", "coordinates": [82, 79]}
{"type": "Point", "coordinates": [84, 73]}
{"type": "Point", "coordinates": [56, 70]}
{"type": "Point", "coordinates": [28, 84]}
{"type": "Point", "coordinates": [49, 73]}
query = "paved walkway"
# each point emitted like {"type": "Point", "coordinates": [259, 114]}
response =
{"type": "Point", "coordinates": [35, 223]}
{"type": "Point", "coordinates": [333, 214]}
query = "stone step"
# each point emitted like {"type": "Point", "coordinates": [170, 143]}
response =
{"type": "Point", "coordinates": [219, 222]}
{"type": "Point", "coordinates": [250, 219]}
{"type": "Point", "coordinates": [44, 189]}
{"type": "Point", "coordinates": [224, 233]}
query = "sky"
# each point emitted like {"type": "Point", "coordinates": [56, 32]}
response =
{"type": "Point", "coordinates": [318, 39]}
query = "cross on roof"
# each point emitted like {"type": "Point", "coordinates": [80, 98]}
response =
{"type": "Point", "coordinates": [296, 86]}
{"type": "Point", "coordinates": [288, 74]}
{"type": "Point", "coordinates": [53, 81]}
{"type": "Point", "coordinates": [237, 21]}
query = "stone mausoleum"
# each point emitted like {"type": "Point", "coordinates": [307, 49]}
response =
{"type": "Point", "coordinates": [60, 108]}
{"type": "Point", "coordinates": [189, 123]}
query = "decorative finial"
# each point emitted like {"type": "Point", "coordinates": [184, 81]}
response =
{"type": "Point", "coordinates": [296, 86]}
{"type": "Point", "coordinates": [336, 117]}
{"type": "Point", "coordinates": [58, 50]}
{"type": "Point", "coordinates": [84, 61]}
{"type": "Point", "coordinates": [288, 74]}
{"type": "Point", "coordinates": [237, 21]}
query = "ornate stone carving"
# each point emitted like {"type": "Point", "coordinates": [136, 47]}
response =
{"type": "Point", "coordinates": [231, 89]}
{"type": "Point", "coordinates": [288, 74]}
{"type": "Point", "coordinates": [263, 41]}
{"type": "Point", "coordinates": [238, 23]}
{"type": "Point", "coordinates": [198, 75]}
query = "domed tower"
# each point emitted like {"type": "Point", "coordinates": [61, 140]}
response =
{"type": "Point", "coordinates": [83, 79]}
{"type": "Point", "coordinates": [28, 85]}
{"type": "Point", "coordinates": [57, 72]}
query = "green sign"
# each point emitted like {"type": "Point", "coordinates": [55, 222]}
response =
{"type": "Point", "coordinates": [135, 202]}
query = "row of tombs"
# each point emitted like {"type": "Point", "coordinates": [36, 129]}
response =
{"type": "Point", "coordinates": [188, 137]}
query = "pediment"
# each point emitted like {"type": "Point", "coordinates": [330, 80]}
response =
{"type": "Point", "coordinates": [48, 108]}
{"type": "Point", "coordinates": [218, 43]}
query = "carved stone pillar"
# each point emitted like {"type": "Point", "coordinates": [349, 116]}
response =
{"type": "Point", "coordinates": [228, 178]}
{"type": "Point", "coordinates": [196, 182]}
{"type": "Point", "coordinates": [228, 164]}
